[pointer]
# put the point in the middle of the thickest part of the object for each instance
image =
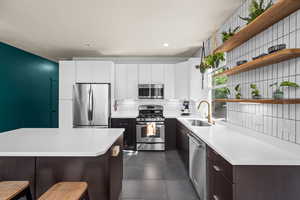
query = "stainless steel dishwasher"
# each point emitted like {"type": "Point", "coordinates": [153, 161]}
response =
{"type": "Point", "coordinates": [197, 168]}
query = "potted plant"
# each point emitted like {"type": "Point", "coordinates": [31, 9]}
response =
{"type": "Point", "coordinates": [278, 93]}
{"type": "Point", "coordinates": [203, 68]}
{"type": "Point", "coordinates": [237, 89]}
{"type": "Point", "coordinates": [256, 9]}
{"type": "Point", "coordinates": [222, 93]}
{"type": "Point", "coordinates": [255, 92]}
{"type": "Point", "coordinates": [227, 34]}
{"type": "Point", "coordinates": [213, 60]}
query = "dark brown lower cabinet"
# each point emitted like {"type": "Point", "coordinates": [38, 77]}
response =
{"type": "Point", "coordinates": [129, 124]}
{"type": "Point", "coordinates": [219, 187]}
{"type": "Point", "coordinates": [170, 130]}
{"type": "Point", "coordinates": [182, 143]}
{"type": "Point", "coordinates": [242, 182]}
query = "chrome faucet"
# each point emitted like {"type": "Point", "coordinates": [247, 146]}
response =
{"type": "Point", "coordinates": [209, 110]}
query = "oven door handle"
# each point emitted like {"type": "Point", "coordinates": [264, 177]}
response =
{"type": "Point", "coordinates": [145, 125]}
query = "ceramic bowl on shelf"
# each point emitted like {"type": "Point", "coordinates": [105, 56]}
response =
{"type": "Point", "coordinates": [240, 62]}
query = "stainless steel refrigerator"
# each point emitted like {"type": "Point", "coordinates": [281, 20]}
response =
{"type": "Point", "coordinates": [91, 105]}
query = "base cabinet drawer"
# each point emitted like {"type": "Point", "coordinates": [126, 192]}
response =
{"type": "Point", "coordinates": [220, 164]}
{"type": "Point", "coordinates": [219, 187]}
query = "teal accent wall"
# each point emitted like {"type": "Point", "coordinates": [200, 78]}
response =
{"type": "Point", "coordinates": [28, 90]}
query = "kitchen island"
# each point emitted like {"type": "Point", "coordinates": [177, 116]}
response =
{"type": "Point", "coordinates": [47, 156]}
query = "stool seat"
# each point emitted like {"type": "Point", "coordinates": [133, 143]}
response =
{"type": "Point", "coordinates": [10, 189]}
{"type": "Point", "coordinates": [65, 191]}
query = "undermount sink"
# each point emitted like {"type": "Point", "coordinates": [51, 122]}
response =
{"type": "Point", "coordinates": [195, 122]}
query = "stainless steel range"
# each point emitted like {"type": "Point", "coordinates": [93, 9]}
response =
{"type": "Point", "coordinates": [150, 128]}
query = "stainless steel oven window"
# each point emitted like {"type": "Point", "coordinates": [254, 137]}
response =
{"type": "Point", "coordinates": [142, 135]}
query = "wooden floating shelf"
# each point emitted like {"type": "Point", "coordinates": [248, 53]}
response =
{"type": "Point", "coordinates": [269, 59]}
{"type": "Point", "coordinates": [264, 101]}
{"type": "Point", "coordinates": [280, 10]}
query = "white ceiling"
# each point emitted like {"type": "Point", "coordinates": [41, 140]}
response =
{"type": "Point", "coordinates": [58, 29]}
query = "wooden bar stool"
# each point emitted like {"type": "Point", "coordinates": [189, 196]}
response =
{"type": "Point", "coordinates": [67, 191]}
{"type": "Point", "coordinates": [13, 190]}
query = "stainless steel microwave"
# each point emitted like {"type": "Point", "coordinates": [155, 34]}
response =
{"type": "Point", "coordinates": [151, 91]}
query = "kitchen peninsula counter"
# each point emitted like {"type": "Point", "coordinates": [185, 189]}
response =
{"type": "Point", "coordinates": [46, 156]}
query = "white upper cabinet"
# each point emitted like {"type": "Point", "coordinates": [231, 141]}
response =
{"type": "Point", "coordinates": [67, 73]}
{"type": "Point", "coordinates": [145, 74]}
{"type": "Point", "coordinates": [126, 81]}
{"type": "Point", "coordinates": [102, 72]}
{"type": "Point", "coordinates": [94, 71]}
{"type": "Point", "coordinates": [84, 71]}
{"type": "Point", "coordinates": [182, 80]}
{"type": "Point", "coordinates": [169, 80]}
{"type": "Point", "coordinates": [121, 81]}
{"type": "Point", "coordinates": [132, 81]}
{"type": "Point", "coordinates": [157, 73]}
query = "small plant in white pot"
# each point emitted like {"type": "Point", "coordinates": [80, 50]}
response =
{"type": "Point", "coordinates": [255, 92]}
{"type": "Point", "coordinates": [278, 93]}
{"type": "Point", "coordinates": [237, 89]}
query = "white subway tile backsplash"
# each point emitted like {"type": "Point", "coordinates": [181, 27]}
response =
{"type": "Point", "coordinates": [298, 19]}
{"type": "Point", "coordinates": [297, 132]}
{"type": "Point", "coordinates": [292, 135]}
{"type": "Point", "coordinates": [286, 25]}
{"type": "Point", "coordinates": [298, 113]}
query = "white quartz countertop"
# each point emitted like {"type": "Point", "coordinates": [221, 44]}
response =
{"type": "Point", "coordinates": [240, 146]}
{"type": "Point", "coordinates": [43, 142]}
{"type": "Point", "coordinates": [134, 114]}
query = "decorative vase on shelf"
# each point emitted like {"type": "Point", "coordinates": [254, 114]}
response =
{"type": "Point", "coordinates": [278, 94]}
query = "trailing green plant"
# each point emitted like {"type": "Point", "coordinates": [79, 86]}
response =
{"type": "Point", "coordinates": [222, 93]}
{"type": "Point", "coordinates": [278, 93]}
{"type": "Point", "coordinates": [203, 67]}
{"type": "Point", "coordinates": [228, 34]}
{"type": "Point", "coordinates": [213, 60]}
{"type": "Point", "coordinates": [255, 9]}
{"type": "Point", "coordinates": [220, 80]}
{"type": "Point", "coordinates": [255, 92]}
{"type": "Point", "coordinates": [237, 89]}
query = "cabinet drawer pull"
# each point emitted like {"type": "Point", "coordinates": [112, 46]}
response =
{"type": "Point", "coordinates": [115, 151]}
{"type": "Point", "coordinates": [215, 197]}
{"type": "Point", "coordinates": [216, 168]}
{"type": "Point", "coordinates": [124, 124]}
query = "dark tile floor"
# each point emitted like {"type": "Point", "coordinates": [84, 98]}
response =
{"type": "Point", "coordinates": [156, 176]}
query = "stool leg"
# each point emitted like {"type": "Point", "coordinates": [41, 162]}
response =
{"type": "Point", "coordinates": [86, 196]}
{"type": "Point", "coordinates": [28, 194]}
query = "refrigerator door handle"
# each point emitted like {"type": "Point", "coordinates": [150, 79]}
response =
{"type": "Point", "coordinates": [92, 99]}
{"type": "Point", "coordinates": [90, 118]}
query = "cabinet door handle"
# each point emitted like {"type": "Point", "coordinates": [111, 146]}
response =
{"type": "Point", "coordinates": [115, 151]}
{"type": "Point", "coordinates": [215, 197]}
{"type": "Point", "coordinates": [217, 168]}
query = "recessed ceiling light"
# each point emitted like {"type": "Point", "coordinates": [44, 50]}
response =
{"type": "Point", "coordinates": [166, 44]}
